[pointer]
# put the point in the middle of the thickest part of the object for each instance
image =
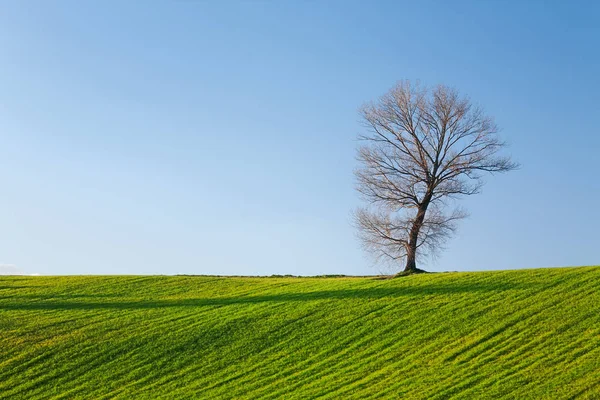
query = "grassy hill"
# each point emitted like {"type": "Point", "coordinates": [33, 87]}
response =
{"type": "Point", "coordinates": [510, 334]}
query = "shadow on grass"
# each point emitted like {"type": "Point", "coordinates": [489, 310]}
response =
{"type": "Point", "coordinates": [89, 302]}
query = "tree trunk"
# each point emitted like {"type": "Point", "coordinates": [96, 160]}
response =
{"type": "Point", "coordinates": [411, 259]}
{"type": "Point", "coordinates": [411, 253]}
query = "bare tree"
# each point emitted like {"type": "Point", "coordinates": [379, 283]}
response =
{"type": "Point", "coordinates": [424, 148]}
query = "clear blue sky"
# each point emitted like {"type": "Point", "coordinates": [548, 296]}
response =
{"type": "Point", "coordinates": [219, 137]}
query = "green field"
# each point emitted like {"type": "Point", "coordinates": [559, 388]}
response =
{"type": "Point", "coordinates": [508, 334]}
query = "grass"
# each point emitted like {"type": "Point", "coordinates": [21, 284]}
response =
{"type": "Point", "coordinates": [510, 334]}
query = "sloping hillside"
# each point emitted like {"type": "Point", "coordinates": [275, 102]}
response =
{"type": "Point", "coordinates": [511, 334]}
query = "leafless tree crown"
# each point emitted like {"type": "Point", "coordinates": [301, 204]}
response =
{"type": "Point", "coordinates": [421, 148]}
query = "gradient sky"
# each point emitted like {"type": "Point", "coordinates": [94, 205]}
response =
{"type": "Point", "coordinates": [163, 137]}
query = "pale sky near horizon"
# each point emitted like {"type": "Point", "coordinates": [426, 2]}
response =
{"type": "Point", "coordinates": [198, 137]}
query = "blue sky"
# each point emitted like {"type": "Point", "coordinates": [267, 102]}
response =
{"type": "Point", "coordinates": [219, 137]}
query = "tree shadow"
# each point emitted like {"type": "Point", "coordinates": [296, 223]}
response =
{"type": "Point", "coordinates": [88, 302]}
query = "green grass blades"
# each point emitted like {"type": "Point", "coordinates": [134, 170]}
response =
{"type": "Point", "coordinates": [526, 334]}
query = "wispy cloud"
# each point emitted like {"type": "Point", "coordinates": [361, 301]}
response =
{"type": "Point", "coordinates": [12, 269]}
{"type": "Point", "coordinates": [9, 269]}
